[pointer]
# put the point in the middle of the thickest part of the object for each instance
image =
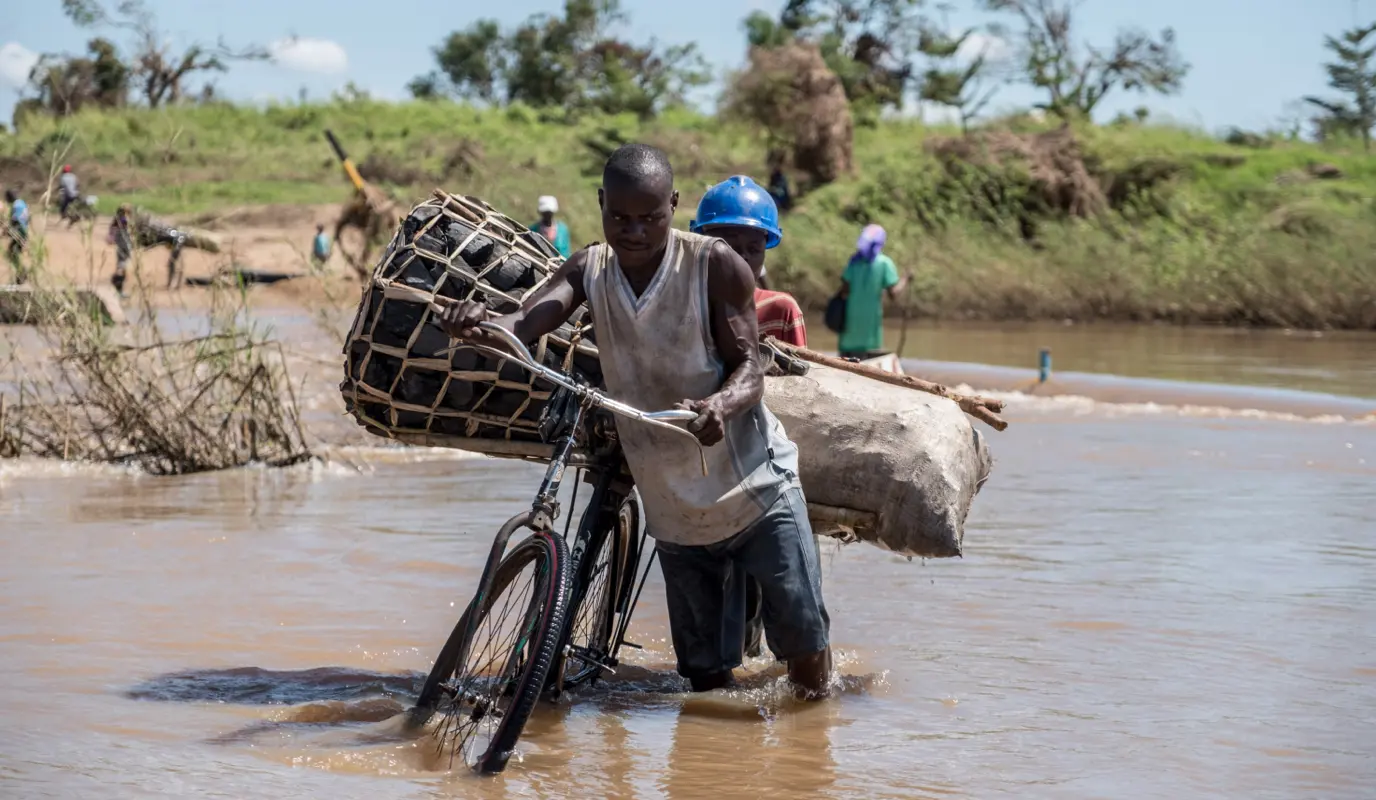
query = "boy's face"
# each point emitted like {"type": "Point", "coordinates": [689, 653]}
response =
{"type": "Point", "coordinates": [636, 221]}
{"type": "Point", "coordinates": [749, 243]}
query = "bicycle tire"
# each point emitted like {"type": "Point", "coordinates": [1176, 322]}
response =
{"type": "Point", "coordinates": [592, 619]}
{"type": "Point", "coordinates": [544, 628]}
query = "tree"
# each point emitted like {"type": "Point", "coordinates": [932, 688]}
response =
{"type": "Point", "coordinates": [570, 61]}
{"type": "Point", "coordinates": [155, 72]}
{"type": "Point", "coordinates": [792, 96]}
{"type": "Point", "coordinates": [473, 60]}
{"type": "Point", "coordinates": [1353, 74]}
{"type": "Point", "coordinates": [950, 83]}
{"type": "Point", "coordinates": [869, 44]}
{"type": "Point", "coordinates": [63, 85]}
{"type": "Point", "coordinates": [1077, 79]}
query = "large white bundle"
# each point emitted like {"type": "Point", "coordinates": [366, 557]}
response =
{"type": "Point", "coordinates": [910, 459]}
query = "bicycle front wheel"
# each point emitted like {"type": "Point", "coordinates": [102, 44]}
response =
{"type": "Point", "coordinates": [490, 673]}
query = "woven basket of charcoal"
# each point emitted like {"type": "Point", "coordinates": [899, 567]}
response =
{"type": "Point", "coordinates": [405, 379]}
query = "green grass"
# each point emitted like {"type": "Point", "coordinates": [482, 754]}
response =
{"type": "Point", "coordinates": [1238, 236]}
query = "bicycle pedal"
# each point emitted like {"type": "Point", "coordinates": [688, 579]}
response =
{"type": "Point", "coordinates": [588, 656]}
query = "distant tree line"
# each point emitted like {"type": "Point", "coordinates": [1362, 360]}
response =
{"type": "Point", "coordinates": [568, 61]}
{"type": "Point", "coordinates": [1352, 74]}
{"type": "Point", "coordinates": [147, 70]}
{"type": "Point", "coordinates": [886, 54]}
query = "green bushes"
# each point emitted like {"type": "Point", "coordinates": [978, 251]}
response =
{"type": "Point", "coordinates": [1163, 224]}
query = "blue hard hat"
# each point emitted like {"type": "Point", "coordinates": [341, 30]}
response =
{"type": "Point", "coordinates": [738, 200]}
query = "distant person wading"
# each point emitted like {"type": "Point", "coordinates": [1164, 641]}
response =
{"type": "Point", "coordinates": [868, 277]}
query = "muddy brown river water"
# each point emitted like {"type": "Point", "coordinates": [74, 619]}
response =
{"type": "Point", "coordinates": [1157, 600]}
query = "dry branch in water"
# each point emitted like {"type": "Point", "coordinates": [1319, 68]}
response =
{"type": "Point", "coordinates": [170, 406]}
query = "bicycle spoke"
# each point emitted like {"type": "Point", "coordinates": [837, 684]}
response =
{"type": "Point", "coordinates": [476, 693]}
{"type": "Point", "coordinates": [592, 624]}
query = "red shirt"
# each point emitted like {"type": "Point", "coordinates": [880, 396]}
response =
{"type": "Point", "coordinates": [779, 316]}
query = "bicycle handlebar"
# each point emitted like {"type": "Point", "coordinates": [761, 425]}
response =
{"type": "Point", "coordinates": [661, 419]}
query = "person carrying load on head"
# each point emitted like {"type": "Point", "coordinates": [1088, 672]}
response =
{"type": "Point", "coordinates": [742, 214]}
{"type": "Point", "coordinates": [676, 326]}
{"type": "Point", "coordinates": [554, 230]}
{"type": "Point", "coordinates": [868, 277]}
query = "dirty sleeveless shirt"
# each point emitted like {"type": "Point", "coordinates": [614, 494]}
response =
{"type": "Point", "coordinates": [656, 350]}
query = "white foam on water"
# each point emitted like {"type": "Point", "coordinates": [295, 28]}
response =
{"type": "Point", "coordinates": [395, 454]}
{"type": "Point", "coordinates": [333, 461]}
{"type": "Point", "coordinates": [31, 467]}
{"type": "Point", "coordinates": [1080, 405]}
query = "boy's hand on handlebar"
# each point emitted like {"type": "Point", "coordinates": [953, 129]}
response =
{"type": "Point", "coordinates": [710, 425]}
{"type": "Point", "coordinates": [460, 320]}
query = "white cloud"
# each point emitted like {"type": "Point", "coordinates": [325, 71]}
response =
{"type": "Point", "coordinates": [16, 61]}
{"type": "Point", "coordinates": [993, 48]}
{"type": "Point", "coordinates": [310, 55]}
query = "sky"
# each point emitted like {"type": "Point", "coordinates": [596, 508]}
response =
{"type": "Point", "coordinates": [1250, 59]}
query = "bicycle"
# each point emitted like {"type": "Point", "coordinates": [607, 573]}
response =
{"type": "Point", "coordinates": [573, 623]}
{"type": "Point", "coordinates": [78, 210]}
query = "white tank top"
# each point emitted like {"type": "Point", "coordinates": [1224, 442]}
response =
{"type": "Point", "coordinates": [657, 350]}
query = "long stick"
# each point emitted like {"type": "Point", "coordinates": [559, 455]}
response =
{"type": "Point", "coordinates": [983, 409]}
{"type": "Point", "coordinates": [903, 326]}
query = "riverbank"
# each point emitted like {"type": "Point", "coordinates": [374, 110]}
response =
{"type": "Point", "coordinates": [1182, 227]}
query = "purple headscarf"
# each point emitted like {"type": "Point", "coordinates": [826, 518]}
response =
{"type": "Point", "coordinates": [870, 243]}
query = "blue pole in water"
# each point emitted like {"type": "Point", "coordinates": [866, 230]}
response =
{"type": "Point", "coordinates": [1043, 365]}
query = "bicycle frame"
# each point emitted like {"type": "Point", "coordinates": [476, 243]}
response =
{"type": "Point", "coordinates": [564, 420]}
{"type": "Point", "coordinates": [544, 510]}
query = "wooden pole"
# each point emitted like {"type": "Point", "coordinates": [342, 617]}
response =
{"type": "Point", "coordinates": [903, 326]}
{"type": "Point", "coordinates": [984, 409]}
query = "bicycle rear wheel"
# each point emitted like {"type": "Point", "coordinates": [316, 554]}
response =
{"type": "Point", "coordinates": [506, 642]}
{"type": "Point", "coordinates": [603, 578]}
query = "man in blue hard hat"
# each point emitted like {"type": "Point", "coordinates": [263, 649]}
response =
{"type": "Point", "coordinates": [744, 215]}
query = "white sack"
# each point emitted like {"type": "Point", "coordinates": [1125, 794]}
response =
{"type": "Point", "coordinates": [909, 457]}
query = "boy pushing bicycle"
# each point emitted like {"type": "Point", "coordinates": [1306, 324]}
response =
{"type": "Point", "coordinates": [676, 324]}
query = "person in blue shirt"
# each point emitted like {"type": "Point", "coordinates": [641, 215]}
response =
{"type": "Point", "coordinates": [17, 229]}
{"type": "Point", "coordinates": [320, 247]}
{"type": "Point", "coordinates": [555, 231]}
